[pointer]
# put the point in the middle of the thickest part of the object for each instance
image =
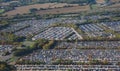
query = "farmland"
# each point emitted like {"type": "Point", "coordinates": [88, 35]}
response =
{"type": "Point", "coordinates": [25, 9]}
{"type": "Point", "coordinates": [58, 8]}
{"type": "Point", "coordinates": [65, 10]}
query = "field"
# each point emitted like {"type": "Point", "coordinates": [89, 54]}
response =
{"type": "Point", "coordinates": [64, 10]}
{"type": "Point", "coordinates": [100, 1]}
{"type": "Point", "coordinates": [112, 7]}
{"type": "Point", "coordinates": [115, 6]}
{"type": "Point", "coordinates": [28, 43]}
{"type": "Point", "coordinates": [2, 10]}
{"type": "Point", "coordinates": [25, 9]}
{"type": "Point", "coordinates": [115, 1]}
{"type": "Point", "coordinates": [58, 8]}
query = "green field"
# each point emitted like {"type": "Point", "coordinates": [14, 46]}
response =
{"type": "Point", "coordinates": [2, 10]}
{"type": "Point", "coordinates": [28, 43]}
{"type": "Point", "coordinates": [94, 6]}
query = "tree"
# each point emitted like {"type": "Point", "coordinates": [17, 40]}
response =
{"type": "Point", "coordinates": [33, 10]}
{"type": "Point", "coordinates": [6, 67]}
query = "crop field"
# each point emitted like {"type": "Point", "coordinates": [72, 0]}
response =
{"type": "Point", "coordinates": [65, 10]}
{"type": "Point", "coordinates": [58, 5]}
{"type": "Point", "coordinates": [25, 9]}
{"type": "Point", "coordinates": [56, 8]}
